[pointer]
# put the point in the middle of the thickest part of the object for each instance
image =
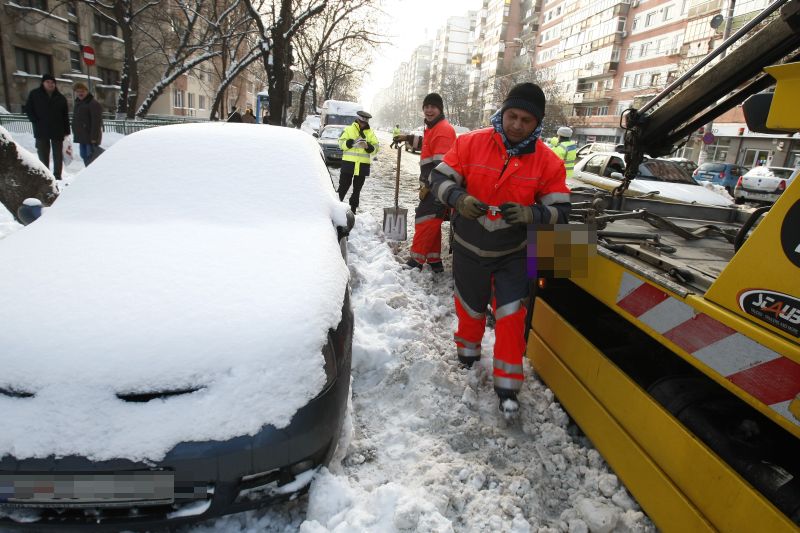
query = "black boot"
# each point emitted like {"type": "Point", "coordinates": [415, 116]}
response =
{"type": "Point", "coordinates": [411, 264]}
{"type": "Point", "coordinates": [437, 267]}
{"type": "Point", "coordinates": [509, 405]}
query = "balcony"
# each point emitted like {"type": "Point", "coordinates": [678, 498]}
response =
{"type": "Point", "coordinates": [46, 29]}
{"type": "Point", "coordinates": [599, 95]}
{"type": "Point", "coordinates": [108, 46]}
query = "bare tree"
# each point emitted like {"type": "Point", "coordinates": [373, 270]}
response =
{"type": "Point", "coordinates": [454, 92]}
{"type": "Point", "coordinates": [126, 14]}
{"type": "Point", "coordinates": [184, 38]}
{"type": "Point", "coordinates": [284, 20]}
{"type": "Point", "coordinates": [340, 25]}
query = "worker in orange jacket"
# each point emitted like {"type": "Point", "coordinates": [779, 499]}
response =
{"type": "Point", "coordinates": [499, 179]}
{"type": "Point", "coordinates": [437, 139]}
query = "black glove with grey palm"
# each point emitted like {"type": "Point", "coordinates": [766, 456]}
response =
{"type": "Point", "coordinates": [470, 207]}
{"type": "Point", "coordinates": [515, 213]}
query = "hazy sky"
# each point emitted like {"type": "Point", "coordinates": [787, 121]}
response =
{"type": "Point", "coordinates": [409, 24]}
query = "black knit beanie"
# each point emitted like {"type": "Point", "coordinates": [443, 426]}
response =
{"type": "Point", "coordinates": [528, 97]}
{"type": "Point", "coordinates": [46, 77]}
{"type": "Point", "coordinates": [435, 100]}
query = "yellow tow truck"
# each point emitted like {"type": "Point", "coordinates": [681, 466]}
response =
{"type": "Point", "coordinates": [679, 353]}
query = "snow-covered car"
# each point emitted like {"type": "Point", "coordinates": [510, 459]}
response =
{"type": "Point", "coordinates": [657, 178]}
{"type": "Point", "coordinates": [329, 142]}
{"type": "Point", "coordinates": [311, 124]}
{"type": "Point", "coordinates": [593, 148]}
{"type": "Point", "coordinates": [764, 184]}
{"type": "Point", "coordinates": [179, 341]}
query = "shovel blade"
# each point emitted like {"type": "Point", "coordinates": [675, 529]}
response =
{"type": "Point", "coordinates": [394, 223]}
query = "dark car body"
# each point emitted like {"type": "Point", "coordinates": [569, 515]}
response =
{"type": "Point", "coordinates": [725, 174]}
{"type": "Point", "coordinates": [196, 478]}
{"type": "Point", "coordinates": [329, 142]}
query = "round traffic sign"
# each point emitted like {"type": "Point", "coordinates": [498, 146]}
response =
{"type": "Point", "coordinates": [708, 138]}
{"type": "Point", "coordinates": [88, 55]}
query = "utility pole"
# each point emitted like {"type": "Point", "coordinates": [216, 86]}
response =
{"type": "Point", "coordinates": [726, 32]}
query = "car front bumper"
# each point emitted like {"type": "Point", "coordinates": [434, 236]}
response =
{"type": "Point", "coordinates": [205, 479]}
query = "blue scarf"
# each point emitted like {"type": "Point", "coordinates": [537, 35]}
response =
{"type": "Point", "coordinates": [526, 146]}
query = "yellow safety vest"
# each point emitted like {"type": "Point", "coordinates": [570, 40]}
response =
{"type": "Point", "coordinates": [359, 156]}
{"type": "Point", "coordinates": [567, 151]}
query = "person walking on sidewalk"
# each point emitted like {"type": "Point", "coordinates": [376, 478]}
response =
{"type": "Point", "coordinates": [47, 110]}
{"type": "Point", "coordinates": [499, 179]}
{"type": "Point", "coordinates": [437, 139]}
{"type": "Point", "coordinates": [87, 123]}
{"type": "Point", "coordinates": [565, 148]}
{"type": "Point", "coordinates": [359, 144]}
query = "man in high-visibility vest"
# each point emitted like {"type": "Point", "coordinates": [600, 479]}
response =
{"type": "Point", "coordinates": [566, 149]}
{"type": "Point", "coordinates": [395, 133]}
{"type": "Point", "coordinates": [359, 144]}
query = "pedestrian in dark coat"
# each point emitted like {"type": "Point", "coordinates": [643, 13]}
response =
{"type": "Point", "coordinates": [47, 110]}
{"type": "Point", "coordinates": [87, 123]}
{"type": "Point", "coordinates": [235, 116]}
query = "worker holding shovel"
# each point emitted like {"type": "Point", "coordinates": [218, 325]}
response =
{"type": "Point", "coordinates": [439, 136]}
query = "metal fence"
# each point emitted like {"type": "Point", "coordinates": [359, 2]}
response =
{"type": "Point", "coordinates": [19, 123]}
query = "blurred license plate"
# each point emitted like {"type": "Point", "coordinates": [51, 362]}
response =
{"type": "Point", "coordinates": [84, 490]}
{"type": "Point", "coordinates": [759, 196]}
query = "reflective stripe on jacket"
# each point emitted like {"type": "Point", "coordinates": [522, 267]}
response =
{"type": "Point", "coordinates": [359, 156]}
{"type": "Point", "coordinates": [479, 165]}
{"type": "Point", "coordinates": [567, 151]}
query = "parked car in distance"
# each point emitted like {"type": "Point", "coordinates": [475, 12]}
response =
{"type": "Point", "coordinates": [311, 124]}
{"type": "Point", "coordinates": [197, 353]}
{"type": "Point", "coordinates": [764, 184]}
{"type": "Point", "coordinates": [725, 174]}
{"type": "Point", "coordinates": [657, 178]}
{"type": "Point", "coordinates": [592, 148]}
{"type": "Point", "coordinates": [329, 142]}
{"type": "Point", "coordinates": [416, 131]}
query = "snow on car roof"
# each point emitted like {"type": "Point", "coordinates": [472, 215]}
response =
{"type": "Point", "coordinates": [192, 256]}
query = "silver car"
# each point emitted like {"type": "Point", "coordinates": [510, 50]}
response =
{"type": "Point", "coordinates": [764, 184]}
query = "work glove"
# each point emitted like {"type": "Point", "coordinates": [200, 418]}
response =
{"type": "Point", "coordinates": [470, 207]}
{"type": "Point", "coordinates": [423, 191]}
{"type": "Point", "coordinates": [515, 213]}
{"type": "Point", "coordinates": [349, 143]}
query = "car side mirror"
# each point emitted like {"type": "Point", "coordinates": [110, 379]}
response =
{"type": "Point", "coordinates": [344, 231]}
{"type": "Point", "coordinates": [30, 210]}
{"type": "Point", "coordinates": [617, 176]}
{"type": "Point", "coordinates": [316, 135]}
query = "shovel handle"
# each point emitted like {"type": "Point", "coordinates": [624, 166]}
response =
{"type": "Point", "coordinates": [397, 178]}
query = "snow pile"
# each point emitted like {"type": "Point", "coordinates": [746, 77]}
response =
{"type": "Point", "coordinates": [4, 111]}
{"type": "Point", "coordinates": [200, 271]}
{"type": "Point", "coordinates": [718, 189]}
{"type": "Point", "coordinates": [7, 223]}
{"type": "Point", "coordinates": [25, 154]}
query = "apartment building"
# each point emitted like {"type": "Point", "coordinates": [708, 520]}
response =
{"type": "Point", "coordinates": [47, 36]}
{"type": "Point", "coordinates": [450, 53]}
{"type": "Point", "coordinates": [38, 37]}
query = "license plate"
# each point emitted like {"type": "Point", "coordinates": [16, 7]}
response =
{"type": "Point", "coordinates": [84, 490]}
{"type": "Point", "coordinates": [759, 196]}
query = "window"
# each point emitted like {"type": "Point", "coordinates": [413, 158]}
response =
{"type": "Point", "coordinates": [72, 29]}
{"type": "Point", "coordinates": [33, 62]}
{"type": "Point", "coordinates": [36, 4]}
{"type": "Point", "coordinates": [602, 111]}
{"type": "Point", "coordinates": [104, 26]}
{"type": "Point", "coordinates": [595, 164]}
{"type": "Point", "coordinates": [72, 8]}
{"type": "Point", "coordinates": [648, 21]}
{"type": "Point", "coordinates": [177, 98]}
{"type": "Point", "coordinates": [201, 102]}
{"type": "Point", "coordinates": [635, 23]}
{"type": "Point", "coordinates": [109, 77]}
{"type": "Point", "coordinates": [191, 100]}
{"type": "Point", "coordinates": [75, 61]}
{"type": "Point", "coordinates": [668, 12]}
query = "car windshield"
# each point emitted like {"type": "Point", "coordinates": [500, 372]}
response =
{"type": "Point", "coordinates": [662, 170]}
{"type": "Point", "coordinates": [331, 133]}
{"type": "Point", "coordinates": [712, 167]}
